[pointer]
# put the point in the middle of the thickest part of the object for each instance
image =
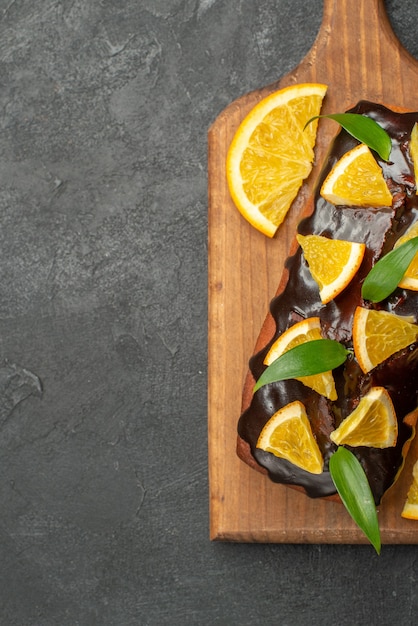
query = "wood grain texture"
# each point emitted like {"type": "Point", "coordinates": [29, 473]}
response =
{"type": "Point", "coordinates": [357, 54]}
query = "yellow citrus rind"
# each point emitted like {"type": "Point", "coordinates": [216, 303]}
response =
{"type": "Point", "coordinates": [410, 509]}
{"type": "Point", "coordinates": [357, 180]}
{"type": "Point", "coordinates": [413, 150]}
{"type": "Point", "coordinates": [332, 262]}
{"type": "Point", "coordinates": [379, 334]}
{"type": "Point", "coordinates": [305, 330]}
{"type": "Point", "coordinates": [410, 278]}
{"type": "Point", "coordinates": [288, 435]}
{"type": "Point", "coordinates": [373, 422]}
{"type": "Point", "coordinates": [272, 153]}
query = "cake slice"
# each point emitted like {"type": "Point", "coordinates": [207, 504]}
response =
{"type": "Point", "coordinates": [297, 298]}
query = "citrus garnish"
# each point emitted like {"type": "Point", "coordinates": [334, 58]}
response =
{"type": "Point", "coordinates": [332, 262]}
{"type": "Point", "coordinates": [271, 154]}
{"type": "Point", "coordinates": [379, 334]}
{"type": "Point", "coordinates": [306, 330]}
{"type": "Point", "coordinates": [288, 435]}
{"type": "Point", "coordinates": [410, 279]}
{"type": "Point", "coordinates": [372, 423]}
{"type": "Point", "coordinates": [356, 179]}
{"type": "Point", "coordinates": [413, 150]}
{"type": "Point", "coordinates": [410, 509]}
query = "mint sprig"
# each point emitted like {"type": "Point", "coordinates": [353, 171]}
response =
{"type": "Point", "coordinates": [353, 487]}
{"type": "Point", "coordinates": [387, 273]}
{"type": "Point", "coordinates": [364, 129]}
{"type": "Point", "coordinates": [306, 359]}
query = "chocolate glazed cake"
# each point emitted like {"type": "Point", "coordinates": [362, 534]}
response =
{"type": "Point", "coordinates": [298, 298]}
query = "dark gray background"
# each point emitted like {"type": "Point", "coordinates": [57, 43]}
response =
{"type": "Point", "coordinates": [105, 106]}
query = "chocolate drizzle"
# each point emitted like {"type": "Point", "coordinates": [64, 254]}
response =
{"type": "Point", "coordinates": [379, 229]}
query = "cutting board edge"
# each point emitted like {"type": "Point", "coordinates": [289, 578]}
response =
{"type": "Point", "coordinates": [221, 531]}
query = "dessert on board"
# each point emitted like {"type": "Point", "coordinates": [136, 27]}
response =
{"type": "Point", "coordinates": [291, 427]}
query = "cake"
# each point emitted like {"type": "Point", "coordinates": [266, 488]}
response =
{"type": "Point", "coordinates": [297, 299]}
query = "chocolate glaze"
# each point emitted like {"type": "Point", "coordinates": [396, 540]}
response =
{"type": "Point", "coordinates": [379, 229]}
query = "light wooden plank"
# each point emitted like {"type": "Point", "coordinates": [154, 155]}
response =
{"type": "Point", "coordinates": [357, 59]}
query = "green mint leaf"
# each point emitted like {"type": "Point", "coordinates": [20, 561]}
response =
{"type": "Point", "coordinates": [306, 359]}
{"type": "Point", "coordinates": [354, 489]}
{"type": "Point", "coordinates": [365, 130]}
{"type": "Point", "coordinates": [387, 273]}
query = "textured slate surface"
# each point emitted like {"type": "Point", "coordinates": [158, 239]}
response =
{"type": "Point", "coordinates": [104, 112]}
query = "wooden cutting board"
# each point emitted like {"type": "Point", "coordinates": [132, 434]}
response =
{"type": "Point", "coordinates": [359, 57]}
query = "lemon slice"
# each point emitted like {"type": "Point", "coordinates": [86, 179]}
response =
{"type": "Point", "coordinates": [372, 423]}
{"type": "Point", "coordinates": [332, 262]}
{"type": "Point", "coordinates": [379, 334]}
{"type": "Point", "coordinates": [272, 153]}
{"type": "Point", "coordinates": [356, 179]}
{"type": "Point", "coordinates": [413, 150]}
{"type": "Point", "coordinates": [306, 330]}
{"type": "Point", "coordinates": [410, 509]}
{"type": "Point", "coordinates": [288, 435]}
{"type": "Point", "coordinates": [410, 278]}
